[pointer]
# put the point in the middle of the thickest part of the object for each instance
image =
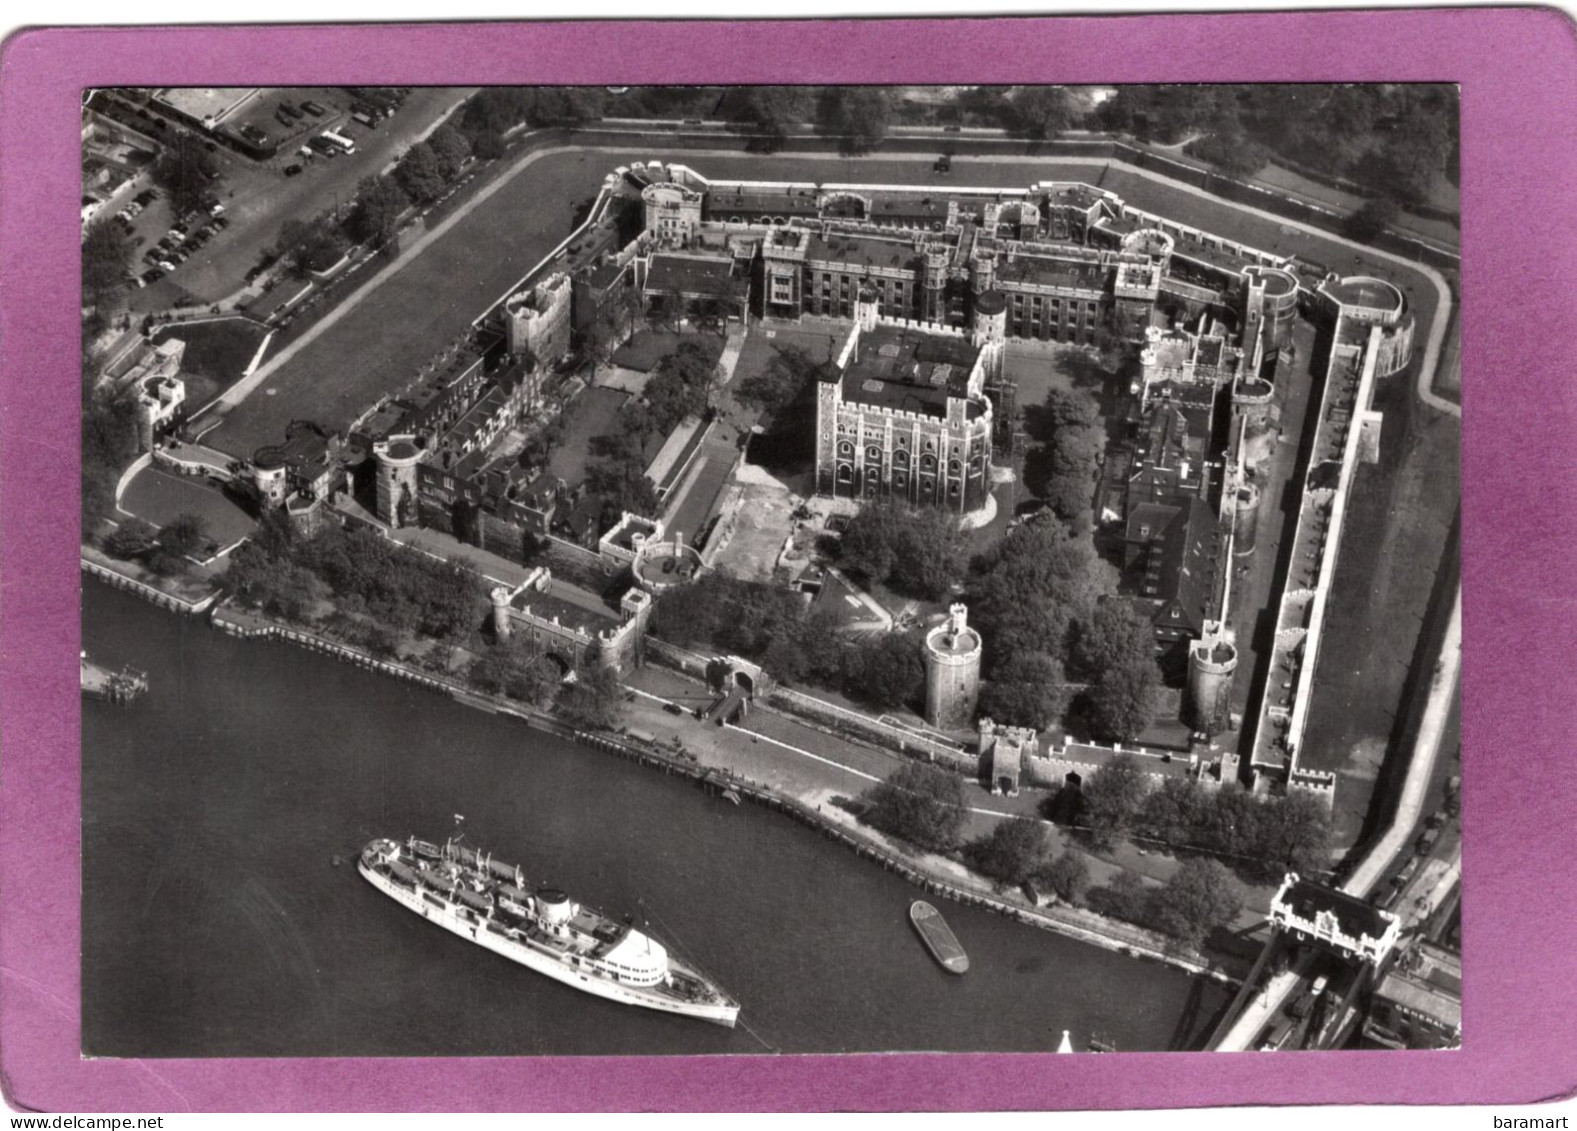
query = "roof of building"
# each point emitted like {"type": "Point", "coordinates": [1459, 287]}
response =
{"type": "Point", "coordinates": [1357, 919]}
{"type": "Point", "coordinates": [960, 643]}
{"type": "Point", "coordinates": [1187, 563]}
{"type": "Point", "coordinates": [574, 607]}
{"type": "Point", "coordinates": [726, 200]}
{"type": "Point", "coordinates": [1073, 194]}
{"type": "Point", "coordinates": [1363, 291]}
{"type": "Point", "coordinates": [866, 250]}
{"type": "Point", "coordinates": [205, 103]}
{"type": "Point", "coordinates": [1045, 271]}
{"type": "Point", "coordinates": [910, 370]}
{"type": "Point", "coordinates": [306, 450]}
{"type": "Point", "coordinates": [709, 276]}
{"type": "Point", "coordinates": [1277, 282]}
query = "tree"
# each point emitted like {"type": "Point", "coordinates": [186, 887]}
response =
{"type": "Point", "coordinates": [487, 145]}
{"type": "Point", "coordinates": [1112, 636]}
{"type": "Point", "coordinates": [184, 534]}
{"type": "Point", "coordinates": [566, 105]}
{"type": "Point", "coordinates": [186, 171]}
{"type": "Point", "coordinates": [869, 548]}
{"type": "Point", "coordinates": [128, 543]}
{"type": "Point", "coordinates": [1012, 852]}
{"type": "Point", "coordinates": [1030, 588]}
{"type": "Point", "coordinates": [1200, 896]}
{"type": "Point", "coordinates": [1295, 835]}
{"type": "Point", "coordinates": [1027, 690]}
{"type": "Point", "coordinates": [450, 149]}
{"type": "Point", "coordinates": [775, 387]}
{"type": "Point", "coordinates": [1064, 470]}
{"type": "Point", "coordinates": [920, 803]}
{"type": "Point", "coordinates": [595, 700]}
{"type": "Point", "coordinates": [1112, 797]}
{"type": "Point", "coordinates": [772, 110]}
{"type": "Point", "coordinates": [1231, 151]}
{"type": "Point", "coordinates": [1042, 111]}
{"type": "Point", "coordinates": [379, 203]}
{"type": "Point", "coordinates": [106, 258]}
{"type": "Point", "coordinates": [886, 671]}
{"type": "Point", "coordinates": [1121, 701]}
{"type": "Point", "coordinates": [859, 115]}
{"type": "Point", "coordinates": [311, 245]}
{"type": "Point", "coordinates": [920, 551]}
{"type": "Point", "coordinates": [1068, 876]}
{"type": "Point", "coordinates": [1178, 813]}
{"type": "Point", "coordinates": [109, 442]}
{"type": "Point", "coordinates": [1371, 219]}
{"type": "Point", "coordinates": [419, 174]}
{"type": "Point", "coordinates": [1125, 897]}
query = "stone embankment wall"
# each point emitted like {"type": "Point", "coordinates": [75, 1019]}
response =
{"type": "Point", "coordinates": [148, 592]}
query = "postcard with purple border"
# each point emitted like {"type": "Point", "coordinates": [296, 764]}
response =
{"type": "Point", "coordinates": [638, 566]}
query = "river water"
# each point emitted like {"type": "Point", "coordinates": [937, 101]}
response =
{"type": "Point", "coordinates": [216, 921]}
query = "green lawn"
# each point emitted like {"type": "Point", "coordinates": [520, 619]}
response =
{"type": "Point", "coordinates": [217, 354]}
{"type": "Point", "coordinates": [159, 497]}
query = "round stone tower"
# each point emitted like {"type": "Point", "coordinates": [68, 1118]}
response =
{"type": "Point", "coordinates": [991, 318]}
{"type": "Point", "coordinates": [1212, 662]}
{"type": "Point", "coordinates": [500, 596]}
{"type": "Point", "coordinates": [397, 459]}
{"type": "Point", "coordinates": [952, 672]}
{"type": "Point", "coordinates": [268, 476]}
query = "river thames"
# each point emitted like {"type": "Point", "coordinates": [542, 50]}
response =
{"type": "Point", "coordinates": [223, 914]}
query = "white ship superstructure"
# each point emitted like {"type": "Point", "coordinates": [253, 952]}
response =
{"type": "Point", "coordinates": [490, 904]}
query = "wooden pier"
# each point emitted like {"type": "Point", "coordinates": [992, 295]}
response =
{"type": "Point", "coordinates": [99, 682]}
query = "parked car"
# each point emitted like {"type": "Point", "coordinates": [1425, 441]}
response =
{"type": "Point", "coordinates": [221, 222]}
{"type": "Point", "coordinates": [292, 170]}
{"type": "Point", "coordinates": [152, 275]}
{"type": "Point", "coordinates": [314, 109]}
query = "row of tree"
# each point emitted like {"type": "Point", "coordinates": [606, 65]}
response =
{"type": "Point", "coordinates": [924, 806]}
{"type": "Point", "coordinates": [165, 549]}
{"type": "Point", "coordinates": [1398, 139]}
{"type": "Point", "coordinates": [1264, 837]}
{"type": "Point", "coordinates": [1064, 466]}
{"type": "Point", "coordinates": [365, 575]}
{"type": "Point", "coordinates": [427, 171]}
{"type": "Point", "coordinates": [109, 443]}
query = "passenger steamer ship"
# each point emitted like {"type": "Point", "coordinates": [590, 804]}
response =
{"type": "Point", "coordinates": [489, 903]}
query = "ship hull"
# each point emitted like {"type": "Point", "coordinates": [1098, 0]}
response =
{"type": "Point", "coordinates": [552, 966]}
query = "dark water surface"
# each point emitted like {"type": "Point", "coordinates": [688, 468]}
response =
{"type": "Point", "coordinates": [216, 922]}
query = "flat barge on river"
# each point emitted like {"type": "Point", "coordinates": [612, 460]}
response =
{"type": "Point", "coordinates": [938, 937]}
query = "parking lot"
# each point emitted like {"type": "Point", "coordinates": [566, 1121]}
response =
{"type": "Point", "coordinates": [258, 197]}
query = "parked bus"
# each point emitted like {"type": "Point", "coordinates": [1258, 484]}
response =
{"type": "Point", "coordinates": [340, 140]}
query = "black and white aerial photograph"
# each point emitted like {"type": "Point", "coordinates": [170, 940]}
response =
{"type": "Point", "coordinates": [743, 570]}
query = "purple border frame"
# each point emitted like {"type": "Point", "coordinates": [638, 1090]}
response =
{"type": "Point", "coordinates": [1519, 85]}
